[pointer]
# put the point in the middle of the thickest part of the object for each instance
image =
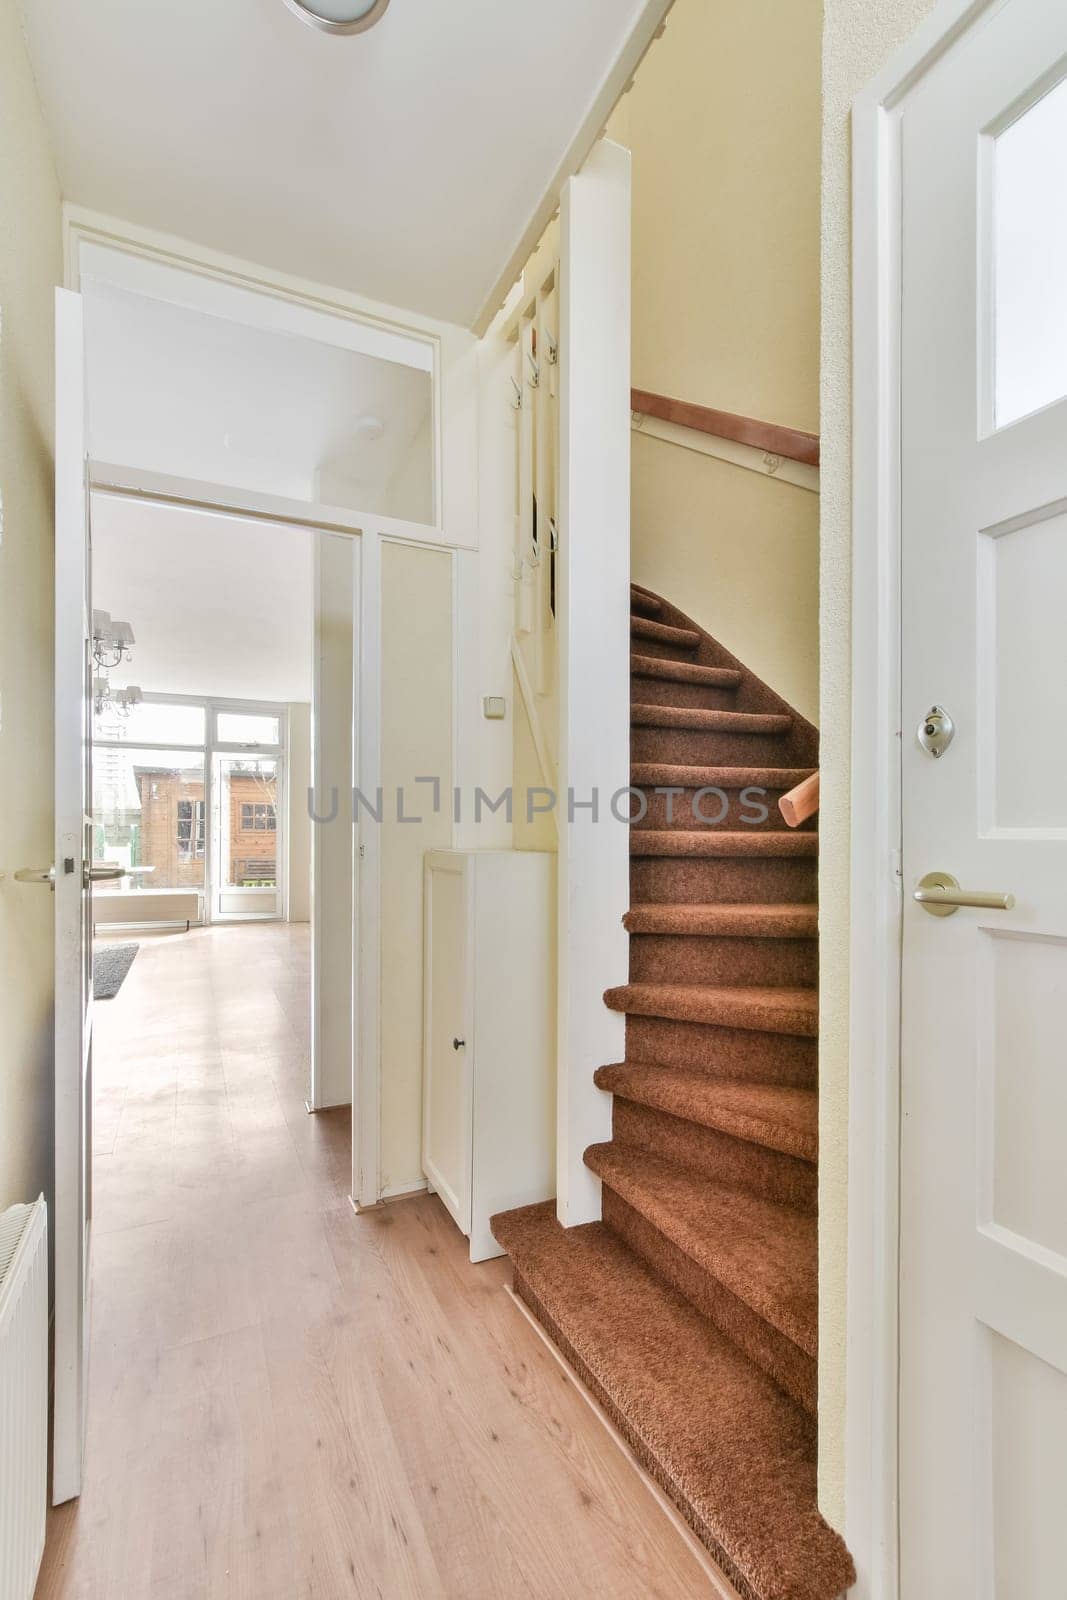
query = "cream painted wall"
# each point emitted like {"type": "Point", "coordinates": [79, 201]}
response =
{"type": "Point", "coordinates": [723, 124]}
{"type": "Point", "coordinates": [31, 264]}
{"type": "Point", "coordinates": [739, 553]}
{"type": "Point", "coordinates": [416, 742]}
{"type": "Point", "coordinates": [858, 39]}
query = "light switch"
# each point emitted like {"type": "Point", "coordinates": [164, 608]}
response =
{"type": "Point", "coordinates": [494, 707]}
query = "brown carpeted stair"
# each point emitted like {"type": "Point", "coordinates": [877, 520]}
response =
{"type": "Point", "coordinates": [691, 1309]}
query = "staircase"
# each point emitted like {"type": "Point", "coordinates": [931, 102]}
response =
{"type": "Point", "coordinates": [690, 1311]}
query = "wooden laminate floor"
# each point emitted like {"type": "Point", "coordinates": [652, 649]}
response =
{"type": "Point", "coordinates": [286, 1400]}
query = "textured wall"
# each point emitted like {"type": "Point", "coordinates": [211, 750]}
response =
{"type": "Point", "coordinates": [30, 267]}
{"type": "Point", "coordinates": [723, 126]}
{"type": "Point", "coordinates": [858, 39]}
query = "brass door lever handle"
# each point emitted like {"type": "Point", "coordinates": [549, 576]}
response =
{"type": "Point", "coordinates": [940, 895]}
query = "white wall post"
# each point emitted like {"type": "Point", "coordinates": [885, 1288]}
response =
{"type": "Point", "coordinates": [367, 878]}
{"type": "Point", "coordinates": [331, 841]}
{"type": "Point", "coordinates": [593, 619]}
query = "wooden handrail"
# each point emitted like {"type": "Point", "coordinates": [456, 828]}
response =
{"type": "Point", "coordinates": [768, 436]}
{"type": "Point", "coordinates": [802, 802]}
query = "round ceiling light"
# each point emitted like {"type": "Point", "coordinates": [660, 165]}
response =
{"type": "Point", "coordinates": [339, 16]}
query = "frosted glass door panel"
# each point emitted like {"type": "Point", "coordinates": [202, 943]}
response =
{"type": "Point", "coordinates": [1030, 259]}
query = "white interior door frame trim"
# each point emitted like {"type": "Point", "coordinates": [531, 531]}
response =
{"type": "Point", "coordinates": [223, 499]}
{"type": "Point", "coordinates": [873, 1351]}
{"type": "Point", "coordinates": [372, 532]}
{"type": "Point", "coordinates": [367, 864]}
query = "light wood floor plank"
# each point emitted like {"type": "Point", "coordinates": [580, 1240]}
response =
{"type": "Point", "coordinates": [291, 1402]}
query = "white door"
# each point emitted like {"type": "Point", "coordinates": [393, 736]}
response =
{"type": "Point", "coordinates": [73, 915]}
{"type": "Point", "coordinates": [984, 595]}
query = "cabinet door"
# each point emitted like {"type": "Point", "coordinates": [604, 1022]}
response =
{"type": "Point", "coordinates": [447, 1115]}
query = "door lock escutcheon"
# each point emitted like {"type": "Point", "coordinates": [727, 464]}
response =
{"type": "Point", "coordinates": [936, 732]}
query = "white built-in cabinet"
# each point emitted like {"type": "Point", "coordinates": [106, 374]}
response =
{"type": "Point", "coordinates": [489, 1034]}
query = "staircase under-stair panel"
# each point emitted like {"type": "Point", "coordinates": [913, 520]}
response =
{"type": "Point", "coordinates": [691, 1309]}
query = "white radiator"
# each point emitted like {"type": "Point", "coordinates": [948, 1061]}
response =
{"type": "Point", "coordinates": [23, 1396]}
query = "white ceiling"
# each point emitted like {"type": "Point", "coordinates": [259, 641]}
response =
{"type": "Point", "coordinates": [219, 605]}
{"type": "Point", "coordinates": [405, 163]}
{"type": "Point", "coordinates": [174, 390]}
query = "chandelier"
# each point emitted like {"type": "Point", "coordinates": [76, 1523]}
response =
{"type": "Point", "coordinates": [112, 640]}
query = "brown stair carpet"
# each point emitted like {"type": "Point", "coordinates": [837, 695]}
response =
{"type": "Point", "coordinates": [691, 1309]}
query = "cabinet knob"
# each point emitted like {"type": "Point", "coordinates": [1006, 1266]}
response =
{"type": "Point", "coordinates": [459, 1044]}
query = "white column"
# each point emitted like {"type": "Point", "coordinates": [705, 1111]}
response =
{"type": "Point", "coordinates": [593, 601]}
{"type": "Point", "coordinates": [331, 841]}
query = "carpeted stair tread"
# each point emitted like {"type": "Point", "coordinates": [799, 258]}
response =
{"type": "Point", "coordinates": [691, 1308]}
{"type": "Point", "coordinates": [712, 841]}
{"type": "Point", "coordinates": [663, 633]}
{"type": "Point", "coordinates": [698, 721]}
{"type": "Point", "coordinates": [768, 1114]}
{"type": "Point", "coordinates": [762, 1252]}
{"type": "Point", "coordinates": [725, 921]}
{"type": "Point", "coordinates": [793, 1011]}
{"type": "Point", "coordinates": [684, 672]}
{"type": "Point", "coordinates": [645, 604]}
{"type": "Point", "coordinates": [649, 774]}
{"type": "Point", "coordinates": [734, 1453]}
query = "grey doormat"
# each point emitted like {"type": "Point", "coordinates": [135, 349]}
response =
{"type": "Point", "coordinates": [111, 962]}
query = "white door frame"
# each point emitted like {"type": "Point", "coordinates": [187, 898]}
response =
{"type": "Point", "coordinates": [372, 533]}
{"type": "Point", "coordinates": [223, 500]}
{"type": "Point", "coordinates": [145, 261]}
{"type": "Point", "coordinates": [72, 1196]}
{"type": "Point", "coordinates": [873, 1353]}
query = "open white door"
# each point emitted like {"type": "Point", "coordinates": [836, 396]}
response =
{"type": "Point", "coordinates": [73, 912]}
{"type": "Point", "coordinates": [983, 1442]}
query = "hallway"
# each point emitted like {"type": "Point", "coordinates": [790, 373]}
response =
{"type": "Point", "coordinates": [287, 1400]}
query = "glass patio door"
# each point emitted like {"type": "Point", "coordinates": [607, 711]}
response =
{"type": "Point", "coordinates": [248, 837]}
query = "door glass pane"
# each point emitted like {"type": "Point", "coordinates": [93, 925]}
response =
{"type": "Point", "coordinates": [149, 814]}
{"type": "Point", "coordinates": [1030, 259]}
{"type": "Point", "coordinates": [248, 822]}
{"type": "Point", "coordinates": [237, 727]}
{"type": "Point", "coordinates": [151, 723]}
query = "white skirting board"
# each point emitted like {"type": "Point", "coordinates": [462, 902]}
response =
{"type": "Point", "coordinates": [23, 1396]}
